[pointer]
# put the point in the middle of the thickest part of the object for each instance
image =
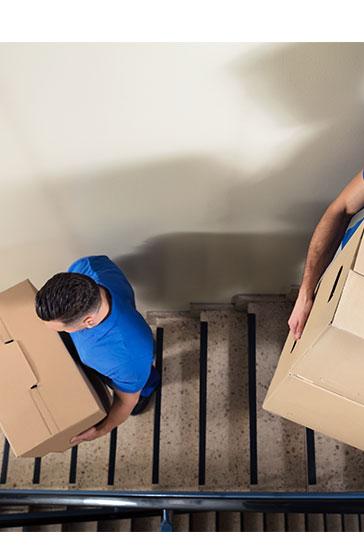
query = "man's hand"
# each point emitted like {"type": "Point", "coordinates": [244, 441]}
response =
{"type": "Point", "coordinates": [121, 408]}
{"type": "Point", "coordinates": [299, 315]}
{"type": "Point", "coordinates": [90, 434]}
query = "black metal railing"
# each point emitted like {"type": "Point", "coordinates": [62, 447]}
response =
{"type": "Point", "coordinates": [121, 504]}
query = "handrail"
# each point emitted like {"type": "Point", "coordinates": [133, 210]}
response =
{"type": "Point", "coordinates": [265, 502]}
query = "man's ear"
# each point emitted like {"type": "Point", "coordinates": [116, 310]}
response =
{"type": "Point", "coordinates": [88, 321]}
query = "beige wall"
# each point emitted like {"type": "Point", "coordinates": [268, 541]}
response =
{"type": "Point", "coordinates": [201, 169]}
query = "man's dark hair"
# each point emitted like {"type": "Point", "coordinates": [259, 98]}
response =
{"type": "Point", "coordinates": [67, 297]}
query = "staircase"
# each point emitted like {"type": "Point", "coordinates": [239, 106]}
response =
{"type": "Point", "coordinates": [204, 431]}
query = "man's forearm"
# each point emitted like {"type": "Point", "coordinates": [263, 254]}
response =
{"type": "Point", "coordinates": [323, 245]}
{"type": "Point", "coordinates": [118, 413]}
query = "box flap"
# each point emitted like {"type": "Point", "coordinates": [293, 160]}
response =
{"type": "Point", "coordinates": [15, 366]}
{"type": "Point", "coordinates": [5, 335]}
{"type": "Point", "coordinates": [349, 314]}
{"type": "Point", "coordinates": [334, 362]}
{"type": "Point", "coordinates": [23, 422]}
{"type": "Point", "coordinates": [317, 408]}
{"type": "Point", "coordinates": [61, 441]}
{"type": "Point", "coordinates": [15, 363]}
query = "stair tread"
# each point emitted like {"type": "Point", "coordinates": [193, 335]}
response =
{"type": "Point", "coordinates": [351, 522]}
{"type": "Point", "coordinates": [114, 525]}
{"type": "Point", "coordinates": [133, 469]}
{"type": "Point", "coordinates": [179, 405]}
{"type": "Point", "coordinates": [280, 443]}
{"type": "Point", "coordinates": [274, 522]}
{"type": "Point", "coordinates": [142, 524]}
{"type": "Point", "coordinates": [295, 522]}
{"type": "Point", "coordinates": [180, 521]}
{"type": "Point", "coordinates": [228, 521]}
{"type": "Point", "coordinates": [315, 522]}
{"type": "Point", "coordinates": [227, 434]}
{"type": "Point", "coordinates": [203, 522]}
{"type": "Point", "coordinates": [338, 466]}
{"type": "Point", "coordinates": [55, 527]}
{"type": "Point", "coordinates": [252, 521]}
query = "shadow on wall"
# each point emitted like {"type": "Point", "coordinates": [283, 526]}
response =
{"type": "Point", "coordinates": [168, 271]}
{"type": "Point", "coordinates": [172, 270]}
{"type": "Point", "coordinates": [308, 84]}
{"type": "Point", "coordinates": [232, 232]}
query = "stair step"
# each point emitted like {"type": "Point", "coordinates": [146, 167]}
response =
{"type": "Point", "coordinates": [80, 527]}
{"type": "Point", "coordinates": [252, 521]}
{"type": "Point", "coordinates": [228, 521]}
{"type": "Point", "coordinates": [133, 468]}
{"type": "Point", "coordinates": [351, 522]}
{"type": "Point", "coordinates": [295, 522]}
{"type": "Point", "coordinates": [227, 419]}
{"type": "Point", "coordinates": [333, 522]}
{"type": "Point", "coordinates": [273, 522]}
{"type": "Point", "coordinates": [12, 509]}
{"type": "Point", "coordinates": [202, 522]}
{"type": "Point", "coordinates": [315, 522]}
{"type": "Point", "coordinates": [55, 527]}
{"type": "Point", "coordinates": [114, 525]}
{"type": "Point", "coordinates": [55, 469]}
{"type": "Point", "coordinates": [154, 317]}
{"type": "Point", "coordinates": [141, 524]}
{"type": "Point", "coordinates": [281, 451]}
{"type": "Point", "coordinates": [92, 464]}
{"type": "Point", "coordinates": [338, 466]}
{"type": "Point", "coordinates": [181, 522]}
{"type": "Point", "coordinates": [20, 470]}
{"type": "Point", "coordinates": [76, 526]}
{"type": "Point", "coordinates": [242, 301]}
{"type": "Point", "coordinates": [178, 464]}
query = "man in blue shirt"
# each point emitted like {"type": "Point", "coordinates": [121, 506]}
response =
{"type": "Point", "coordinates": [94, 303]}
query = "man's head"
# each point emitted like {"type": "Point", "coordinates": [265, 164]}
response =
{"type": "Point", "coordinates": [69, 302]}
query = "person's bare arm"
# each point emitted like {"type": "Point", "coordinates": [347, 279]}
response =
{"type": "Point", "coordinates": [122, 406]}
{"type": "Point", "coordinates": [323, 245]}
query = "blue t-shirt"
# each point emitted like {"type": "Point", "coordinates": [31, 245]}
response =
{"type": "Point", "coordinates": [122, 346]}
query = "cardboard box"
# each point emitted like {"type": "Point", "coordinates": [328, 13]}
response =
{"type": "Point", "coordinates": [319, 380]}
{"type": "Point", "coordinates": [45, 397]}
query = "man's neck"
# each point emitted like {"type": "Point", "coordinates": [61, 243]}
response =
{"type": "Point", "coordinates": [106, 304]}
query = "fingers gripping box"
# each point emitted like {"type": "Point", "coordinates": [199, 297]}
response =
{"type": "Point", "coordinates": [45, 397]}
{"type": "Point", "coordinates": [319, 379]}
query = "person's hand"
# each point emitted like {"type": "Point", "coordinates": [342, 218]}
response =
{"type": "Point", "coordinates": [299, 315]}
{"type": "Point", "coordinates": [88, 435]}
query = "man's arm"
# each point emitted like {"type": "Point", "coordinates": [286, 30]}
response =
{"type": "Point", "coordinates": [122, 406]}
{"type": "Point", "coordinates": [323, 245]}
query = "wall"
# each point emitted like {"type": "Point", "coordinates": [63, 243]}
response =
{"type": "Point", "coordinates": [202, 169]}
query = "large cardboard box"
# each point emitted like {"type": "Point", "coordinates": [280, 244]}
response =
{"type": "Point", "coordinates": [319, 380]}
{"type": "Point", "coordinates": [45, 397]}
